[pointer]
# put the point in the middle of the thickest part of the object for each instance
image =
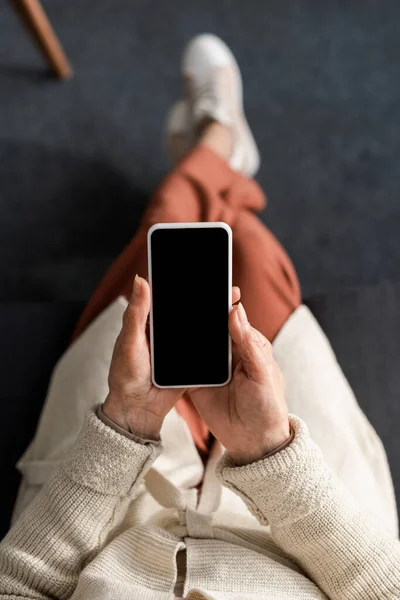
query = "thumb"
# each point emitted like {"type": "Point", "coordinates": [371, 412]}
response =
{"type": "Point", "coordinates": [137, 311]}
{"type": "Point", "coordinates": [254, 350]}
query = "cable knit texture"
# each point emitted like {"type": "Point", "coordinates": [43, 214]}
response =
{"type": "Point", "coordinates": [71, 541]}
{"type": "Point", "coordinates": [69, 521]}
{"type": "Point", "coordinates": [114, 467]}
{"type": "Point", "coordinates": [316, 521]}
{"type": "Point", "coordinates": [106, 517]}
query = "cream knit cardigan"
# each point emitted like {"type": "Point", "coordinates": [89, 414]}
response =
{"type": "Point", "coordinates": [309, 522]}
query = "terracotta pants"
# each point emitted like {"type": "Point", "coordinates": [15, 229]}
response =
{"type": "Point", "coordinates": [203, 188]}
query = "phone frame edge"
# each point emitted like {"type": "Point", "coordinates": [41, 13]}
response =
{"type": "Point", "coordinates": [191, 225]}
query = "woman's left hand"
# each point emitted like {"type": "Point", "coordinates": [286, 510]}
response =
{"type": "Point", "coordinates": [133, 402]}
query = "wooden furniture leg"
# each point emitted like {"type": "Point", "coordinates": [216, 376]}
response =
{"type": "Point", "coordinates": [35, 19]}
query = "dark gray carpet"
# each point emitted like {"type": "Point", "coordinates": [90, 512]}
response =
{"type": "Point", "coordinates": [78, 160]}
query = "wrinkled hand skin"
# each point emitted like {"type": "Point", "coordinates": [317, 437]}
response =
{"type": "Point", "coordinates": [248, 416]}
{"type": "Point", "coordinates": [133, 402]}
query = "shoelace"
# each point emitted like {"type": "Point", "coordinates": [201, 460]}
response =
{"type": "Point", "coordinates": [207, 98]}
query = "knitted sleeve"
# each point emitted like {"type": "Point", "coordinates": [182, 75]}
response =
{"type": "Point", "coordinates": [68, 522]}
{"type": "Point", "coordinates": [317, 522]}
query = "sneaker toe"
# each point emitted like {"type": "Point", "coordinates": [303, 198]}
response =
{"type": "Point", "coordinates": [205, 52]}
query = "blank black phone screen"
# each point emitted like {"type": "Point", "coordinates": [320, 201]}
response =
{"type": "Point", "coordinates": [190, 306]}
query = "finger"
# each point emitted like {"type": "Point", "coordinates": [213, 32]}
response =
{"type": "Point", "coordinates": [235, 356]}
{"type": "Point", "coordinates": [236, 294]}
{"type": "Point", "coordinates": [250, 345]}
{"type": "Point", "coordinates": [137, 311]}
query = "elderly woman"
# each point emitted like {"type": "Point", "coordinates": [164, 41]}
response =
{"type": "Point", "coordinates": [219, 493]}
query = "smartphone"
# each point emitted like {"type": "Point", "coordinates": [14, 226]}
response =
{"type": "Point", "coordinates": [190, 276]}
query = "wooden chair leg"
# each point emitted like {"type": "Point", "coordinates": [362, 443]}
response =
{"type": "Point", "coordinates": [35, 19]}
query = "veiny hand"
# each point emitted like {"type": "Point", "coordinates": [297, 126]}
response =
{"type": "Point", "coordinates": [248, 416]}
{"type": "Point", "coordinates": [133, 402]}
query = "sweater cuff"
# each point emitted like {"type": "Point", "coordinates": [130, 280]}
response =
{"type": "Point", "coordinates": [284, 445]}
{"type": "Point", "coordinates": [131, 436]}
{"type": "Point", "coordinates": [106, 461]}
{"type": "Point", "coordinates": [284, 486]}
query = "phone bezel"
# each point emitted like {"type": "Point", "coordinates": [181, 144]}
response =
{"type": "Point", "coordinates": [205, 225]}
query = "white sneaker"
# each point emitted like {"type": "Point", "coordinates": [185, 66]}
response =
{"type": "Point", "coordinates": [214, 91]}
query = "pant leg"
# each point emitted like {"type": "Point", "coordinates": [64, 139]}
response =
{"type": "Point", "coordinates": [204, 188]}
{"type": "Point", "coordinates": [261, 267]}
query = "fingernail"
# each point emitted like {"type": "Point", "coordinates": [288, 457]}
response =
{"type": "Point", "coordinates": [137, 284]}
{"type": "Point", "coordinates": [241, 313]}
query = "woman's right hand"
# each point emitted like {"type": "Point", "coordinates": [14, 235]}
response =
{"type": "Point", "coordinates": [248, 416]}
